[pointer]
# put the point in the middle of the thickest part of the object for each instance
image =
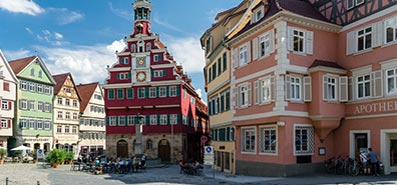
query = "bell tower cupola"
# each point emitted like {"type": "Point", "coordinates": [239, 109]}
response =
{"type": "Point", "coordinates": [142, 10]}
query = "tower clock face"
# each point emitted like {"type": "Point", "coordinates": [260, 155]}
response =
{"type": "Point", "coordinates": [141, 62]}
{"type": "Point", "coordinates": [141, 76]}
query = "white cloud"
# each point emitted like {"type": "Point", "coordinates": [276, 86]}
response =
{"type": "Point", "coordinates": [58, 36]}
{"type": "Point", "coordinates": [29, 30]}
{"type": "Point", "coordinates": [186, 51]}
{"type": "Point", "coordinates": [54, 38]}
{"type": "Point", "coordinates": [117, 45]}
{"type": "Point", "coordinates": [86, 63]}
{"type": "Point", "coordinates": [65, 16]}
{"type": "Point", "coordinates": [21, 6]}
{"type": "Point", "coordinates": [13, 55]}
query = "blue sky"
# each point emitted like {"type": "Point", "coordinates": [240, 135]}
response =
{"type": "Point", "coordinates": [81, 36]}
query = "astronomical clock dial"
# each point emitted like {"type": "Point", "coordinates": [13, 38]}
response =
{"type": "Point", "coordinates": [141, 61]}
{"type": "Point", "coordinates": [141, 76]}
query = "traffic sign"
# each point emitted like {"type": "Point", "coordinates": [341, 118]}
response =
{"type": "Point", "coordinates": [208, 155]}
{"type": "Point", "coordinates": [208, 150]}
{"type": "Point", "coordinates": [204, 139]}
{"type": "Point", "coordinates": [40, 153]}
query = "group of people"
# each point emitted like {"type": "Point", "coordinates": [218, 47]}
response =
{"type": "Point", "coordinates": [191, 168]}
{"type": "Point", "coordinates": [370, 160]}
{"type": "Point", "coordinates": [133, 164]}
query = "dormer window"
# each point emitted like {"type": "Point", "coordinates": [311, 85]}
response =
{"type": "Point", "coordinates": [259, 15]}
{"type": "Point", "coordinates": [141, 46]}
{"type": "Point", "coordinates": [133, 48]}
{"type": "Point", "coordinates": [148, 46]}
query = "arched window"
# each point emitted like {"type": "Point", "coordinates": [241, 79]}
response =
{"type": "Point", "coordinates": [141, 45]}
{"type": "Point", "coordinates": [148, 47]}
{"type": "Point", "coordinates": [149, 144]}
{"type": "Point", "coordinates": [133, 48]}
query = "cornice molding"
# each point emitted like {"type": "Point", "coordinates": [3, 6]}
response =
{"type": "Point", "coordinates": [288, 17]}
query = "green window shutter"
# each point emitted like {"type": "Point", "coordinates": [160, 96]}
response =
{"type": "Point", "coordinates": [178, 119]}
{"type": "Point", "coordinates": [129, 75]}
{"type": "Point", "coordinates": [168, 119]}
{"type": "Point", "coordinates": [126, 120]}
{"type": "Point", "coordinates": [158, 119]}
{"type": "Point", "coordinates": [147, 120]}
{"type": "Point", "coordinates": [152, 73]}
{"type": "Point", "coordinates": [111, 93]}
{"type": "Point", "coordinates": [117, 120]}
{"type": "Point", "coordinates": [130, 93]}
{"type": "Point", "coordinates": [224, 62]}
{"type": "Point", "coordinates": [158, 92]}
{"type": "Point", "coordinates": [178, 89]}
{"type": "Point", "coordinates": [118, 76]}
{"type": "Point", "coordinates": [168, 91]}
{"type": "Point", "coordinates": [164, 73]}
{"type": "Point", "coordinates": [147, 91]}
{"type": "Point", "coordinates": [107, 121]}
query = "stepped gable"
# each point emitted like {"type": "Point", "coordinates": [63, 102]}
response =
{"type": "Point", "coordinates": [19, 64]}
{"type": "Point", "coordinates": [86, 91]}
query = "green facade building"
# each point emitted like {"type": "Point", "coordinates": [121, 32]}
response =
{"type": "Point", "coordinates": [33, 122]}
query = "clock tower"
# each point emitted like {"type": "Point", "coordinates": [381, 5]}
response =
{"type": "Point", "coordinates": [149, 99]}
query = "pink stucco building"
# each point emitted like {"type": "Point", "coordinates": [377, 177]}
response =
{"type": "Point", "coordinates": [312, 80]}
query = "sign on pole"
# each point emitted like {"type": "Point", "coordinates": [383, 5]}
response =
{"type": "Point", "coordinates": [208, 155]}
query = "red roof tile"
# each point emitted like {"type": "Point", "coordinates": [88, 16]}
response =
{"type": "Point", "coordinates": [59, 80]}
{"type": "Point", "coordinates": [86, 91]}
{"type": "Point", "coordinates": [19, 64]}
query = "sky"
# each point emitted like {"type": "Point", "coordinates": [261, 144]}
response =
{"type": "Point", "coordinates": [81, 36]}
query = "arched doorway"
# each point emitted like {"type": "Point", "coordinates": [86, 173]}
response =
{"type": "Point", "coordinates": [164, 150]}
{"type": "Point", "coordinates": [122, 148]}
{"type": "Point", "coordinates": [36, 146]}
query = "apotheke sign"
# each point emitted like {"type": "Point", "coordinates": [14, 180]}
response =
{"type": "Point", "coordinates": [378, 107]}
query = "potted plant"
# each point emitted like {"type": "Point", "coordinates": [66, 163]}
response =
{"type": "Point", "coordinates": [69, 157]}
{"type": "Point", "coordinates": [33, 154]}
{"type": "Point", "coordinates": [2, 154]}
{"type": "Point", "coordinates": [56, 157]}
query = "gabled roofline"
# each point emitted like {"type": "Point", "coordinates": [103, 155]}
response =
{"type": "Point", "coordinates": [8, 67]}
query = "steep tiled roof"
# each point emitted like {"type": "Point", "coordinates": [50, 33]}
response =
{"type": "Point", "coordinates": [18, 65]}
{"type": "Point", "coordinates": [325, 64]}
{"type": "Point", "coordinates": [298, 7]}
{"type": "Point", "coordinates": [301, 7]}
{"type": "Point", "coordinates": [60, 80]}
{"type": "Point", "coordinates": [86, 91]}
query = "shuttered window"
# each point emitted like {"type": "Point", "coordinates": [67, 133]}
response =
{"type": "Point", "coordinates": [391, 30]}
{"type": "Point", "coordinates": [300, 41]}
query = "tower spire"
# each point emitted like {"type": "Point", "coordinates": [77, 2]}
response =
{"type": "Point", "coordinates": [142, 10]}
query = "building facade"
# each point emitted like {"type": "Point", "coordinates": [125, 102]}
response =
{"type": "Point", "coordinates": [312, 80]}
{"type": "Point", "coordinates": [8, 85]}
{"type": "Point", "coordinates": [66, 113]}
{"type": "Point", "coordinates": [146, 87]}
{"type": "Point", "coordinates": [217, 82]}
{"type": "Point", "coordinates": [33, 122]}
{"type": "Point", "coordinates": [92, 130]}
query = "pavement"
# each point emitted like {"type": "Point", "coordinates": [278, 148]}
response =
{"type": "Point", "coordinates": [30, 174]}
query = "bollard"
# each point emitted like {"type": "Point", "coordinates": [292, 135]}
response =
{"type": "Point", "coordinates": [6, 180]}
{"type": "Point", "coordinates": [38, 182]}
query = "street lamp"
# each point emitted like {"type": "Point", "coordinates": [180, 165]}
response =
{"type": "Point", "coordinates": [138, 134]}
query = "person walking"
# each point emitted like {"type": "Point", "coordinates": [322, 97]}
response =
{"type": "Point", "coordinates": [364, 161]}
{"type": "Point", "coordinates": [374, 161]}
